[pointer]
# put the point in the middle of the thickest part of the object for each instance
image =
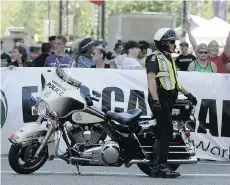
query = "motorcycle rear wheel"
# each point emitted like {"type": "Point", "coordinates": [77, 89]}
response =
{"type": "Point", "coordinates": [30, 165]}
{"type": "Point", "coordinates": [148, 169]}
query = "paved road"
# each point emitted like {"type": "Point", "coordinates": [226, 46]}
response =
{"type": "Point", "coordinates": [59, 173]}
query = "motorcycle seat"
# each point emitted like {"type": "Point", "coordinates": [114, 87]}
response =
{"type": "Point", "coordinates": [128, 117]}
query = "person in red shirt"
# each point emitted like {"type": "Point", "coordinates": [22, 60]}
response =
{"type": "Point", "coordinates": [220, 60]}
{"type": "Point", "coordinates": [213, 47]}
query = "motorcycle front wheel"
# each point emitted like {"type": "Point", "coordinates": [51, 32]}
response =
{"type": "Point", "coordinates": [21, 158]}
{"type": "Point", "coordinates": [148, 169]}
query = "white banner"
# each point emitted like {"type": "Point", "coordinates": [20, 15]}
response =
{"type": "Point", "coordinates": [123, 90]}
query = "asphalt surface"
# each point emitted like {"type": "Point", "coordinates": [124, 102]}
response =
{"type": "Point", "coordinates": [57, 172]}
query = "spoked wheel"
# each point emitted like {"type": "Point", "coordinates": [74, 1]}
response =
{"type": "Point", "coordinates": [21, 158]}
{"type": "Point", "coordinates": [147, 169]}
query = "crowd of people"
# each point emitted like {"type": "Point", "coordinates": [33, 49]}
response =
{"type": "Point", "coordinates": [129, 55]}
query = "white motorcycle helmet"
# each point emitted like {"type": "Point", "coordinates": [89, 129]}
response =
{"type": "Point", "coordinates": [162, 36]}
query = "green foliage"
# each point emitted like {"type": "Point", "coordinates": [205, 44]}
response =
{"type": "Point", "coordinates": [54, 13]}
{"type": "Point", "coordinates": [208, 11]}
{"type": "Point", "coordinates": [8, 9]}
{"type": "Point", "coordinates": [31, 14]}
{"type": "Point", "coordinates": [83, 20]}
{"type": "Point", "coordinates": [228, 11]}
{"type": "Point", "coordinates": [23, 13]}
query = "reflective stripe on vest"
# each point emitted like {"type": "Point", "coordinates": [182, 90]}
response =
{"type": "Point", "coordinates": [167, 72]}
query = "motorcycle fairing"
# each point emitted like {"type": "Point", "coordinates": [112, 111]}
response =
{"type": "Point", "coordinates": [61, 97]}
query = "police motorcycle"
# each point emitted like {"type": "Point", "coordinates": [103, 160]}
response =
{"type": "Point", "coordinates": [93, 137]}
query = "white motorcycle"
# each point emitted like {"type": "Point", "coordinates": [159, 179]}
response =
{"type": "Point", "coordinates": [63, 109]}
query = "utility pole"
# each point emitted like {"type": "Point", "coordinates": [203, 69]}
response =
{"type": "Point", "coordinates": [183, 17]}
{"type": "Point", "coordinates": [60, 16]}
{"type": "Point", "coordinates": [103, 23]}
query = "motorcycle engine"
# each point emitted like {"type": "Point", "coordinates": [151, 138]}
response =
{"type": "Point", "coordinates": [110, 152]}
{"type": "Point", "coordinates": [81, 134]}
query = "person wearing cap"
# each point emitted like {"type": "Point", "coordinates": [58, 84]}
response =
{"type": "Point", "coordinates": [132, 50]}
{"type": "Point", "coordinates": [117, 50]}
{"type": "Point", "coordinates": [202, 64]}
{"type": "Point", "coordinates": [185, 58]}
{"type": "Point", "coordinates": [144, 52]}
{"type": "Point", "coordinates": [163, 88]}
{"type": "Point", "coordinates": [5, 58]}
{"type": "Point", "coordinates": [86, 47]}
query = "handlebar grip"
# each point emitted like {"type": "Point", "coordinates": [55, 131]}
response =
{"type": "Point", "coordinates": [95, 99]}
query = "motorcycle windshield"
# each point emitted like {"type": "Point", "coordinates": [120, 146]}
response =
{"type": "Point", "coordinates": [65, 70]}
{"type": "Point", "coordinates": [61, 93]}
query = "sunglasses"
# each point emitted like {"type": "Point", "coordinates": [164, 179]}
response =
{"type": "Point", "coordinates": [183, 45]}
{"type": "Point", "coordinates": [203, 52]}
{"type": "Point", "coordinates": [172, 41]}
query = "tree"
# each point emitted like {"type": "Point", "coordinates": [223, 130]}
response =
{"type": "Point", "coordinates": [31, 14]}
{"type": "Point", "coordinates": [28, 14]}
{"type": "Point", "coordinates": [8, 9]}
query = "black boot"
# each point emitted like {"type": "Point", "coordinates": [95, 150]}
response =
{"type": "Point", "coordinates": [164, 171]}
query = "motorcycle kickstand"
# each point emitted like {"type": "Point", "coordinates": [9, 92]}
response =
{"type": "Point", "coordinates": [78, 169]}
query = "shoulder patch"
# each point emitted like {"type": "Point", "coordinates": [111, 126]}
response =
{"type": "Point", "coordinates": [153, 58]}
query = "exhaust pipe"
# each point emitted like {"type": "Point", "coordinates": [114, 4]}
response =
{"type": "Point", "coordinates": [134, 161]}
{"type": "Point", "coordinates": [192, 160]}
{"type": "Point", "coordinates": [83, 159]}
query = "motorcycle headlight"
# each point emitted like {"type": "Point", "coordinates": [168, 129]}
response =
{"type": "Point", "coordinates": [43, 108]}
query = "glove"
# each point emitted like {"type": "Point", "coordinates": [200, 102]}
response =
{"type": "Point", "coordinates": [156, 104]}
{"type": "Point", "coordinates": [192, 98]}
{"type": "Point", "coordinates": [156, 108]}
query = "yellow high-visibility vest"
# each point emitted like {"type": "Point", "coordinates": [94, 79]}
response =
{"type": "Point", "coordinates": [167, 72]}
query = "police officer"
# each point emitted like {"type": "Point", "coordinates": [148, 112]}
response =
{"type": "Point", "coordinates": [163, 86]}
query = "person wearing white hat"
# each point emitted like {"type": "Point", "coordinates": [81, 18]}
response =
{"type": "Point", "coordinates": [163, 87]}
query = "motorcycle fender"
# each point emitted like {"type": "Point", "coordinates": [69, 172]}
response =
{"type": "Point", "coordinates": [30, 132]}
{"type": "Point", "coordinates": [33, 132]}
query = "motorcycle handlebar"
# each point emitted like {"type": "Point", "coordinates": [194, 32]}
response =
{"type": "Point", "coordinates": [92, 98]}
{"type": "Point", "coordinates": [95, 99]}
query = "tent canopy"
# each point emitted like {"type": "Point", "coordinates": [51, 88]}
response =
{"type": "Point", "coordinates": [206, 30]}
{"type": "Point", "coordinates": [196, 21]}
{"type": "Point", "coordinates": [215, 28]}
